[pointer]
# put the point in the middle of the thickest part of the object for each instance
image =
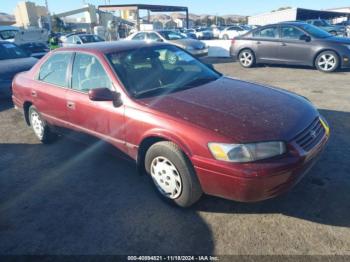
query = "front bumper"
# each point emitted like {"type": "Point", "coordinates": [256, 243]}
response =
{"type": "Point", "coordinates": [253, 182]}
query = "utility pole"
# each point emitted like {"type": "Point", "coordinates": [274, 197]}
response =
{"type": "Point", "coordinates": [48, 15]}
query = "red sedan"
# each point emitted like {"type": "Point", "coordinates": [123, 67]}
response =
{"type": "Point", "coordinates": [191, 129]}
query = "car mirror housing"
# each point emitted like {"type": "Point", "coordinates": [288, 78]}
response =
{"type": "Point", "coordinates": [305, 38]}
{"type": "Point", "coordinates": [78, 43]}
{"type": "Point", "coordinates": [105, 94]}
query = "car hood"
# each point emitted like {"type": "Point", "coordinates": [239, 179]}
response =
{"type": "Point", "coordinates": [340, 40]}
{"type": "Point", "coordinates": [10, 67]}
{"type": "Point", "coordinates": [196, 44]}
{"type": "Point", "coordinates": [240, 111]}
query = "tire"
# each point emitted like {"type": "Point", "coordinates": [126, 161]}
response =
{"type": "Point", "coordinates": [40, 127]}
{"type": "Point", "coordinates": [246, 58]}
{"type": "Point", "coordinates": [327, 62]}
{"type": "Point", "coordinates": [173, 174]}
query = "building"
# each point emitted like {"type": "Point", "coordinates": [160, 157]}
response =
{"type": "Point", "coordinates": [293, 14]}
{"type": "Point", "coordinates": [342, 10]}
{"type": "Point", "coordinates": [28, 14]}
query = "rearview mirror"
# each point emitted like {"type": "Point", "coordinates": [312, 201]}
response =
{"type": "Point", "coordinates": [305, 38]}
{"type": "Point", "coordinates": [105, 94]}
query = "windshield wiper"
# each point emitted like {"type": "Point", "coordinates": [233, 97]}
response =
{"type": "Point", "coordinates": [148, 91]}
{"type": "Point", "coordinates": [198, 81]}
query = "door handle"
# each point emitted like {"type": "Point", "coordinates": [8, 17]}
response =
{"type": "Point", "coordinates": [283, 44]}
{"type": "Point", "coordinates": [70, 105]}
{"type": "Point", "coordinates": [258, 42]}
{"type": "Point", "coordinates": [34, 93]}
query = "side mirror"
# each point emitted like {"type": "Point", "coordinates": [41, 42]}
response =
{"type": "Point", "coordinates": [305, 38]}
{"type": "Point", "coordinates": [160, 40]}
{"type": "Point", "coordinates": [78, 43]}
{"type": "Point", "coordinates": [105, 94]}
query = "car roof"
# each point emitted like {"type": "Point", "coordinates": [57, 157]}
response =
{"type": "Point", "coordinates": [111, 47]}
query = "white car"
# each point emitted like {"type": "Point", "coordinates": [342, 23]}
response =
{"type": "Point", "coordinates": [231, 32]}
{"type": "Point", "coordinates": [80, 39]}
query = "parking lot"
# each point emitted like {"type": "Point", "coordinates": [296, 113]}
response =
{"type": "Point", "coordinates": [76, 198]}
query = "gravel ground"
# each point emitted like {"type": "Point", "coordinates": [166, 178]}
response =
{"type": "Point", "coordinates": [76, 198]}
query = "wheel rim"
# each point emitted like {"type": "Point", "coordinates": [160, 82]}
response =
{"type": "Point", "coordinates": [327, 62]}
{"type": "Point", "coordinates": [166, 177]}
{"type": "Point", "coordinates": [37, 124]}
{"type": "Point", "coordinates": [246, 58]}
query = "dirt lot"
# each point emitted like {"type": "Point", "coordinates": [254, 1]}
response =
{"type": "Point", "coordinates": [72, 198]}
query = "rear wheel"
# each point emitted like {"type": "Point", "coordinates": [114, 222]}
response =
{"type": "Point", "coordinates": [173, 174]}
{"type": "Point", "coordinates": [246, 58]}
{"type": "Point", "coordinates": [40, 127]}
{"type": "Point", "coordinates": [327, 61]}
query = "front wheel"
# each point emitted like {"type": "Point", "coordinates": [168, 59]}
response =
{"type": "Point", "coordinates": [173, 174]}
{"type": "Point", "coordinates": [327, 62]}
{"type": "Point", "coordinates": [246, 58]}
{"type": "Point", "coordinates": [40, 127]}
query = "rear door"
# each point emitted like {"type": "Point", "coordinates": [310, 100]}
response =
{"type": "Point", "coordinates": [98, 118]}
{"type": "Point", "coordinates": [294, 50]}
{"type": "Point", "coordinates": [267, 42]}
{"type": "Point", "coordinates": [49, 94]}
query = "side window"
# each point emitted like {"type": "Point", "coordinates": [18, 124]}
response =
{"type": "Point", "coordinates": [153, 37]}
{"type": "Point", "coordinates": [70, 40]}
{"type": "Point", "coordinates": [139, 36]}
{"type": "Point", "coordinates": [290, 32]}
{"type": "Point", "coordinates": [268, 32]}
{"type": "Point", "coordinates": [54, 70]}
{"type": "Point", "coordinates": [317, 23]}
{"type": "Point", "coordinates": [88, 73]}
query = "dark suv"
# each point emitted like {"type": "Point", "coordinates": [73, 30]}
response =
{"type": "Point", "coordinates": [292, 43]}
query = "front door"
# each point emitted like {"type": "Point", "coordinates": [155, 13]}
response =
{"type": "Point", "coordinates": [293, 49]}
{"type": "Point", "coordinates": [98, 118]}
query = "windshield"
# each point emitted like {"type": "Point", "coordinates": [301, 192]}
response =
{"type": "Point", "coordinates": [152, 71]}
{"type": "Point", "coordinates": [8, 34]}
{"type": "Point", "coordinates": [171, 35]}
{"type": "Point", "coordinates": [11, 51]}
{"type": "Point", "coordinates": [315, 31]}
{"type": "Point", "coordinates": [90, 38]}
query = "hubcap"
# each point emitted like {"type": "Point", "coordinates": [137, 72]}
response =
{"type": "Point", "coordinates": [166, 177]}
{"type": "Point", "coordinates": [246, 58]}
{"type": "Point", "coordinates": [37, 124]}
{"type": "Point", "coordinates": [327, 62]}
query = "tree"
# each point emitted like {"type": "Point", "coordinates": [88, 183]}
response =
{"type": "Point", "coordinates": [282, 8]}
{"type": "Point", "coordinates": [57, 24]}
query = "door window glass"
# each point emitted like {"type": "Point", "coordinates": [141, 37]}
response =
{"type": "Point", "coordinates": [88, 73]}
{"type": "Point", "coordinates": [290, 32]}
{"type": "Point", "coordinates": [54, 70]}
{"type": "Point", "coordinates": [153, 37]}
{"type": "Point", "coordinates": [268, 32]}
{"type": "Point", "coordinates": [139, 36]}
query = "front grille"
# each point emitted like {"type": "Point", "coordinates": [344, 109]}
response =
{"type": "Point", "coordinates": [311, 136]}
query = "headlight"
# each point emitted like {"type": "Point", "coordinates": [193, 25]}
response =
{"type": "Point", "coordinates": [348, 46]}
{"type": "Point", "coordinates": [243, 153]}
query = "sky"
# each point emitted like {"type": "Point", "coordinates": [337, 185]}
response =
{"type": "Point", "coordinates": [217, 7]}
